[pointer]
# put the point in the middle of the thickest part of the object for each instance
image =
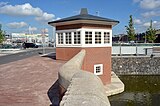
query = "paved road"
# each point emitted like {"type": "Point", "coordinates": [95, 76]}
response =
{"type": "Point", "coordinates": [22, 55]}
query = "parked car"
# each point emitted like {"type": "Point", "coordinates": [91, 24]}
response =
{"type": "Point", "coordinates": [29, 45]}
{"type": "Point", "coordinates": [39, 44]}
{"type": "Point", "coordinates": [6, 46]}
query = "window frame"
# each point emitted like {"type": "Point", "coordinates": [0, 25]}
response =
{"type": "Point", "coordinates": [100, 71]}
{"type": "Point", "coordinates": [107, 38]}
{"type": "Point", "coordinates": [88, 39]}
{"type": "Point", "coordinates": [68, 38]}
{"type": "Point", "coordinates": [60, 38]}
{"type": "Point", "coordinates": [77, 37]}
{"type": "Point", "coordinates": [98, 37]}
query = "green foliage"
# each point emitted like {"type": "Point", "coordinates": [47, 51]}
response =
{"type": "Point", "coordinates": [130, 30]}
{"type": "Point", "coordinates": [1, 34]}
{"type": "Point", "coordinates": [151, 33]}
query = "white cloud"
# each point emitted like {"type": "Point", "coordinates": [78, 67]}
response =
{"type": "Point", "coordinates": [150, 4]}
{"type": "Point", "coordinates": [151, 14]}
{"type": "Point", "coordinates": [26, 10]}
{"type": "Point", "coordinates": [45, 30]}
{"type": "Point", "coordinates": [16, 25]}
{"type": "Point", "coordinates": [45, 17]}
{"type": "Point", "coordinates": [154, 23]}
{"type": "Point", "coordinates": [58, 18]}
{"type": "Point", "coordinates": [137, 21]}
{"type": "Point", "coordinates": [32, 29]}
{"type": "Point", "coordinates": [21, 10]}
{"type": "Point", "coordinates": [146, 24]}
{"type": "Point", "coordinates": [3, 3]}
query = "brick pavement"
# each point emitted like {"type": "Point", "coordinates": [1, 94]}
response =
{"type": "Point", "coordinates": [26, 82]}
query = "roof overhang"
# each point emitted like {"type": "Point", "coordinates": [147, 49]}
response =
{"type": "Point", "coordinates": [83, 21]}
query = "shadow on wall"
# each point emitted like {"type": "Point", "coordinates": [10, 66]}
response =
{"type": "Point", "coordinates": [53, 94]}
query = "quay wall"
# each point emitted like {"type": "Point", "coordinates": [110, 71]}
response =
{"type": "Point", "coordinates": [136, 65]}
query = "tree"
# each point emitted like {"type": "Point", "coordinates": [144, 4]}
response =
{"type": "Point", "coordinates": [130, 29]}
{"type": "Point", "coordinates": [1, 34]}
{"type": "Point", "coordinates": [151, 33]}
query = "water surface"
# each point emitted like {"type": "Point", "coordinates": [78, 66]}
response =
{"type": "Point", "coordinates": [139, 91]}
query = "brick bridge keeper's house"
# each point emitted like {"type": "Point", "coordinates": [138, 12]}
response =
{"type": "Point", "coordinates": [89, 32]}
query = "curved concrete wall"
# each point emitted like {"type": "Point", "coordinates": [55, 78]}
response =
{"type": "Point", "coordinates": [82, 88]}
{"type": "Point", "coordinates": [70, 68]}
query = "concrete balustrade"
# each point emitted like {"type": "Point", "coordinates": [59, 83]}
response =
{"type": "Point", "coordinates": [81, 88]}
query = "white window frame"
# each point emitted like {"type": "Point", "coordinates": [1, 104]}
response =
{"type": "Point", "coordinates": [108, 37]}
{"type": "Point", "coordinates": [68, 38]}
{"type": "Point", "coordinates": [60, 38]}
{"type": "Point", "coordinates": [101, 69]}
{"type": "Point", "coordinates": [98, 37]}
{"type": "Point", "coordinates": [88, 39]}
{"type": "Point", "coordinates": [78, 36]}
{"type": "Point", "coordinates": [82, 39]}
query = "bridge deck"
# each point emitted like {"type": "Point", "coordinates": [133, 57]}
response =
{"type": "Point", "coordinates": [26, 82]}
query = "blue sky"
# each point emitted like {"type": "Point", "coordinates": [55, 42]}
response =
{"type": "Point", "coordinates": [18, 15]}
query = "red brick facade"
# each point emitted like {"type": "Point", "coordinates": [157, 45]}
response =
{"type": "Point", "coordinates": [94, 55]}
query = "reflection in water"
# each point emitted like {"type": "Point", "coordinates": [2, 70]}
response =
{"type": "Point", "coordinates": [139, 91]}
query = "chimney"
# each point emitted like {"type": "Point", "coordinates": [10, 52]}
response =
{"type": "Point", "coordinates": [83, 11]}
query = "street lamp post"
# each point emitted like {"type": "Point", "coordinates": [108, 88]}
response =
{"type": "Point", "coordinates": [120, 45]}
{"type": "Point", "coordinates": [136, 45]}
{"type": "Point", "coordinates": [145, 38]}
{"type": "Point", "coordinates": [43, 40]}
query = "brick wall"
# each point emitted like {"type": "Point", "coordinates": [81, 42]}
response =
{"type": "Point", "coordinates": [100, 55]}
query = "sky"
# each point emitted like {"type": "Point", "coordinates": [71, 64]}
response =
{"type": "Point", "coordinates": [20, 15]}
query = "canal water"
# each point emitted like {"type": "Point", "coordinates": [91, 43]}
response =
{"type": "Point", "coordinates": [139, 91]}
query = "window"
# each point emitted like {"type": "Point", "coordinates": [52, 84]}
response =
{"type": "Point", "coordinates": [68, 38]}
{"type": "Point", "coordinates": [97, 37]}
{"type": "Point", "coordinates": [77, 38]}
{"type": "Point", "coordinates": [88, 37]}
{"type": "Point", "coordinates": [60, 38]}
{"type": "Point", "coordinates": [106, 37]}
{"type": "Point", "coordinates": [98, 69]}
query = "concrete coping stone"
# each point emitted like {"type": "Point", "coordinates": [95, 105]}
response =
{"type": "Point", "coordinates": [67, 71]}
{"type": "Point", "coordinates": [86, 89]}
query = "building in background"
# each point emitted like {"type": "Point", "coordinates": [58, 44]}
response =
{"type": "Point", "coordinates": [32, 38]}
